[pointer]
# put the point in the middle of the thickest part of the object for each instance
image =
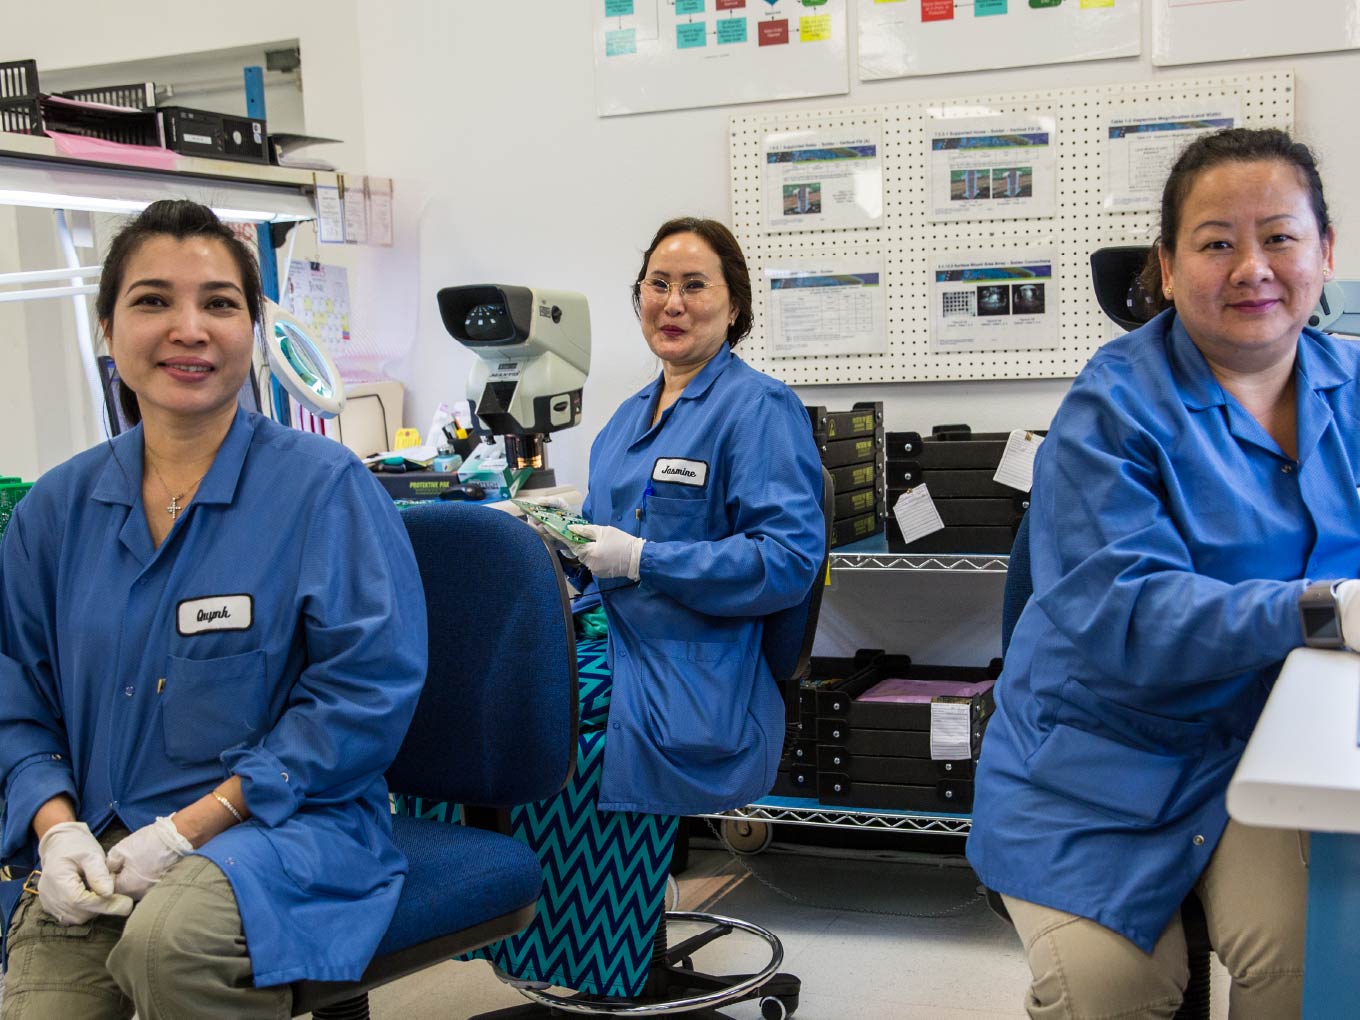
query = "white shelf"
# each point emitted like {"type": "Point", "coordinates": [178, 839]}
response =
{"type": "Point", "coordinates": [953, 563]}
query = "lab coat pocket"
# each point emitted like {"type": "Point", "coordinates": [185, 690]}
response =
{"type": "Point", "coordinates": [1115, 778]}
{"type": "Point", "coordinates": [668, 519]}
{"type": "Point", "coordinates": [210, 705]}
{"type": "Point", "coordinates": [694, 695]}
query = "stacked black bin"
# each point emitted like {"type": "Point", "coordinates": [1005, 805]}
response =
{"type": "Point", "coordinates": [877, 755]}
{"type": "Point", "coordinates": [850, 444]}
{"type": "Point", "coordinates": [980, 515]}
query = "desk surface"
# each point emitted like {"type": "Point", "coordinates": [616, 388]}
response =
{"type": "Point", "coordinates": [1301, 769]}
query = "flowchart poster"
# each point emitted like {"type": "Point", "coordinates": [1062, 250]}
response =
{"type": "Point", "coordinates": [675, 54]}
{"type": "Point", "coordinates": [1194, 31]}
{"type": "Point", "coordinates": [902, 38]}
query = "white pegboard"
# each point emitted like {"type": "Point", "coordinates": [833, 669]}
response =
{"type": "Point", "coordinates": [910, 240]}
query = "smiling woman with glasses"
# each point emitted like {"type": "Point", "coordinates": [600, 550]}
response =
{"type": "Point", "coordinates": [705, 498]}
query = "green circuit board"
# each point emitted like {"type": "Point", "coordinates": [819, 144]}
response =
{"type": "Point", "coordinates": [557, 521]}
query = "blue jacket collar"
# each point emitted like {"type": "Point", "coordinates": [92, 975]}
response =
{"type": "Point", "coordinates": [121, 479]}
{"type": "Point", "coordinates": [1316, 368]}
{"type": "Point", "coordinates": [699, 385]}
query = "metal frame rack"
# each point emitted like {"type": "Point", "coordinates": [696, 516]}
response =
{"type": "Point", "coordinates": [807, 811]}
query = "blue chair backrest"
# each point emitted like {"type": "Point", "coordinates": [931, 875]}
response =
{"type": "Point", "coordinates": [1019, 583]}
{"type": "Point", "coordinates": [502, 669]}
{"type": "Point", "coordinates": [789, 633]}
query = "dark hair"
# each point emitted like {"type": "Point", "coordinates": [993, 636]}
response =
{"type": "Point", "coordinates": [1231, 145]}
{"type": "Point", "coordinates": [180, 219]}
{"type": "Point", "coordinates": [733, 262]}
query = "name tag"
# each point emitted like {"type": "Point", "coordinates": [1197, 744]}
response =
{"type": "Point", "coordinates": [677, 469]}
{"type": "Point", "coordinates": [215, 612]}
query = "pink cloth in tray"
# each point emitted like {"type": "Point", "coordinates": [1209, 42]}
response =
{"type": "Point", "coordinates": [97, 150]}
{"type": "Point", "coordinates": [921, 692]}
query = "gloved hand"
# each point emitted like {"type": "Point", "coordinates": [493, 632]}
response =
{"type": "Point", "coordinates": [1348, 613]}
{"type": "Point", "coordinates": [140, 859]}
{"type": "Point", "coordinates": [553, 539]}
{"type": "Point", "coordinates": [610, 552]}
{"type": "Point", "coordinates": [75, 884]}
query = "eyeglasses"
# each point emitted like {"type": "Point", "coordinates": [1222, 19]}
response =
{"type": "Point", "coordinates": [657, 290]}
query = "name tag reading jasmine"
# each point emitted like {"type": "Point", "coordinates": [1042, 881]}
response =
{"type": "Point", "coordinates": [677, 469]}
{"type": "Point", "coordinates": [215, 612]}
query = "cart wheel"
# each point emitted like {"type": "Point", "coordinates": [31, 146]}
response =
{"type": "Point", "coordinates": [672, 893]}
{"type": "Point", "coordinates": [776, 1008]}
{"type": "Point", "coordinates": [743, 836]}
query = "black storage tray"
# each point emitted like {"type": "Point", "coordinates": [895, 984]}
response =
{"type": "Point", "coordinates": [976, 484]}
{"type": "Point", "coordinates": [962, 540]}
{"type": "Point", "coordinates": [909, 771]}
{"type": "Point", "coordinates": [976, 513]}
{"type": "Point", "coordinates": [903, 474]}
{"type": "Point", "coordinates": [862, 501]}
{"type": "Point", "coordinates": [853, 529]}
{"type": "Point", "coordinates": [18, 79]}
{"type": "Point", "coordinates": [840, 452]}
{"type": "Point", "coordinates": [898, 716]}
{"type": "Point", "coordinates": [864, 419]}
{"type": "Point", "coordinates": [954, 541]}
{"type": "Point", "coordinates": [855, 476]}
{"type": "Point", "coordinates": [946, 795]}
{"type": "Point", "coordinates": [886, 743]}
{"type": "Point", "coordinates": [21, 116]}
{"type": "Point", "coordinates": [127, 127]}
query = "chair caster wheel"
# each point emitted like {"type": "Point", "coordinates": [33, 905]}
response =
{"type": "Point", "coordinates": [775, 1008]}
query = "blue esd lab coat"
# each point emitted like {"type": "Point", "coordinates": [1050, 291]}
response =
{"type": "Point", "coordinates": [117, 691]}
{"type": "Point", "coordinates": [1170, 540]}
{"type": "Point", "coordinates": [729, 485]}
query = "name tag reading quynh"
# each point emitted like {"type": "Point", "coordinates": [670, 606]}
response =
{"type": "Point", "coordinates": [215, 612]}
{"type": "Point", "coordinates": [680, 470]}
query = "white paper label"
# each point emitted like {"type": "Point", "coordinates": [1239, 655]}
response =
{"type": "Point", "coordinates": [916, 514]}
{"type": "Point", "coordinates": [505, 372]}
{"type": "Point", "coordinates": [1017, 463]}
{"type": "Point", "coordinates": [950, 731]}
{"type": "Point", "coordinates": [680, 471]}
{"type": "Point", "coordinates": [214, 612]}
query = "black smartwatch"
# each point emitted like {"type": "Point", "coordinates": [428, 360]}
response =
{"type": "Point", "coordinates": [1319, 617]}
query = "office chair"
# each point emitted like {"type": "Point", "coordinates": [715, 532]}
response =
{"type": "Point", "coordinates": [495, 727]}
{"type": "Point", "coordinates": [1196, 1002]}
{"type": "Point", "coordinates": [673, 985]}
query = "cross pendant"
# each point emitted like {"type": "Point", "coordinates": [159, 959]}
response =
{"type": "Point", "coordinates": [174, 508]}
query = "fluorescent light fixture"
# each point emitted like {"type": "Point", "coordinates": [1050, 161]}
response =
{"type": "Point", "coordinates": [121, 190]}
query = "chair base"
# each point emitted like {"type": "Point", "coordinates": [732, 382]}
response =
{"type": "Point", "coordinates": [674, 987]}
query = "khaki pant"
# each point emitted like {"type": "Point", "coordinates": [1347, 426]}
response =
{"type": "Point", "coordinates": [180, 954]}
{"type": "Point", "coordinates": [1254, 893]}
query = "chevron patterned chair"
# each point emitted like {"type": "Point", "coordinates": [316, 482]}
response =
{"type": "Point", "coordinates": [673, 985]}
{"type": "Point", "coordinates": [495, 727]}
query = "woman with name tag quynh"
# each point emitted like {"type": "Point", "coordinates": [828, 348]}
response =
{"type": "Point", "coordinates": [212, 640]}
{"type": "Point", "coordinates": [705, 502]}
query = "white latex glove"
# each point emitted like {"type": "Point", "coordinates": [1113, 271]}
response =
{"type": "Point", "coordinates": [1348, 613]}
{"type": "Point", "coordinates": [552, 537]}
{"type": "Point", "coordinates": [75, 885]}
{"type": "Point", "coordinates": [140, 859]}
{"type": "Point", "coordinates": [610, 552]}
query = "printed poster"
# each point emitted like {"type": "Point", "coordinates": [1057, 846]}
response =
{"type": "Point", "coordinates": [1141, 148]}
{"type": "Point", "coordinates": [994, 301]}
{"type": "Point", "coordinates": [819, 179]}
{"type": "Point", "coordinates": [992, 168]}
{"type": "Point", "coordinates": [830, 305]}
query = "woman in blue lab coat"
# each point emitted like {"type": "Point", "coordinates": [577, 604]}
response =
{"type": "Point", "coordinates": [212, 639]}
{"type": "Point", "coordinates": [705, 493]}
{"type": "Point", "coordinates": [1201, 468]}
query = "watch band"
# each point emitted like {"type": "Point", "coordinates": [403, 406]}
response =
{"type": "Point", "coordinates": [1319, 617]}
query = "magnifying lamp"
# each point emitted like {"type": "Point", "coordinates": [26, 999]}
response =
{"type": "Point", "coordinates": [301, 365]}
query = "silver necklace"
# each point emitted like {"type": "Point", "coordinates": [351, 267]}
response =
{"type": "Point", "coordinates": [175, 506]}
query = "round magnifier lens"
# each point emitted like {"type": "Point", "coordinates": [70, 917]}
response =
{"type": "Point", "coordinates": [303, 357]}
